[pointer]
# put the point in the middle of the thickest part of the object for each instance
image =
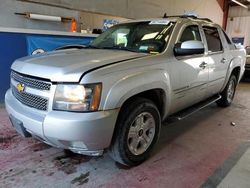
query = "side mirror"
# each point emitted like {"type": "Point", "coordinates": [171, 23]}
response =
{"type": "Point", "coordinates": [191, 47]}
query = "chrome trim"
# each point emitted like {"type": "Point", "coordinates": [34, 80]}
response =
{"type": "Point", "coordinates": [30, 82]}
{"type": "Point", "coordinates": [31, 100]}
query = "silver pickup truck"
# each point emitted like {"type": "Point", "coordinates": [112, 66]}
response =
{"type": "Point", "coordinates": [114, 93]}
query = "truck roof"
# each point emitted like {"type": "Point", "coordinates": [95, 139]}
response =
{"type": "Point", "coordinates": [172, 19]}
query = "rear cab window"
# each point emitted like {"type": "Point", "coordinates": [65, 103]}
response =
{"type": "Point", "coordinates": [228, 40]}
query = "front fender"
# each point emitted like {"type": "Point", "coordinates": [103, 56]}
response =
{"type": "Point", "coordinates": [136, 83]}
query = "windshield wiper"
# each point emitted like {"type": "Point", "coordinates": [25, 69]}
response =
{"type": "Point", "coordinates": [93, 47]}
{"type": "Point", "coordinates": [113, 48]}
{"type": "Point", "coordinates": [120, 48]}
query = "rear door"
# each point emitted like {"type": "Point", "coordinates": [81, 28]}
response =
{"type": "Point", "coordinates": [218, 60]}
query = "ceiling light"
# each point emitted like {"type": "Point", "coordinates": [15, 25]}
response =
{"type": "Point", "coordinates": [237, 2]}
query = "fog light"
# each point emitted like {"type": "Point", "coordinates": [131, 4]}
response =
{"type": "Point", "coordinates": [78, 145]}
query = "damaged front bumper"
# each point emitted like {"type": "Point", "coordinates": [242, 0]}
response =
{"type": "Point", "coordinates": [83, 133]}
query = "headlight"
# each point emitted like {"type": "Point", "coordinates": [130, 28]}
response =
{"type": "Point", "coordinates": [78, 98]}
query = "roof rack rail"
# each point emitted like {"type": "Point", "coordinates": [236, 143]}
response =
{"type": "Point", "coordinates": [205, 19]}
{"type": "Point", "coordinates": [188, 16]}
{"type": "Point", "coordinates": [180, 16]}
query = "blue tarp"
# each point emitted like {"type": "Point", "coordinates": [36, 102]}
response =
{"type": "Point", "coordinates": [12, 46]}
{"type": "Point", "coordinates": [17, 45]}
{"type": "Point", "coordinates": [49, 43]}
{"type": "Point", "coordinates": [238, 40]}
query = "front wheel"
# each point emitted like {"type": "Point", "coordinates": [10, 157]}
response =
{"type": "Point", "coordinates": [137, 131]}
{"type": "Point", "coordinates": [228, 93]}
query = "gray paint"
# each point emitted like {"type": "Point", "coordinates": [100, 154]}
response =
{"type": "Point", "coordinates": [9, 19]}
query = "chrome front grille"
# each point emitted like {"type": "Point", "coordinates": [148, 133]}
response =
{"type": "Point", "coordinates": [30, 91]}
{"type": "Point", "coordinates": [30, 82]}
{"type": "Point", "coordinates": [30, 100]}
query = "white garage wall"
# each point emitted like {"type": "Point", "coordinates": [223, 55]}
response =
{"type": "Point", "coordinates": [123, 8]}
{"type": "Point", "coordinates": [204, 8]}
{"type": "Point", "coordinates": [238, 23]}
{"type": "Point", "coordinates": [9, 19]}
{"type": "Point", "coordinates": [237, 11]}
{"type": "Point", "coordinates": [143, 8]}
{"type": "Point", "coordinates": [92, 20]}
{"type": "Point", "coordinates": [239, 27]}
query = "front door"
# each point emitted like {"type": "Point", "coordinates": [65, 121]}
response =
{"type": "Point", "coordinates": [191, 73]}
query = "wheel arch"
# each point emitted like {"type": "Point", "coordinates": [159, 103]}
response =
{"type": "Point", "coordinates": [235, 67]}
{"type": "Point", "coordinates": [156, 95]}
{"type": "Point", "coordinates": [236, 72]}
{"type": "Point", "coordinates": [153, 85]}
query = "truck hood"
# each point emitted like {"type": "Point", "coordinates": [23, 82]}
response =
{"type": "Point", "coordinates": [70, 65]}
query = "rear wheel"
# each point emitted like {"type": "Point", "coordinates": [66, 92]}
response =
{"type": "Point", "coordinates": [137, 131]}
{"type": "Point", "coordinates": [228, 93]}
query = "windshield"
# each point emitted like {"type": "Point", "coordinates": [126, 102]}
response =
{"type": "Point", "coordinates": [146, 37]}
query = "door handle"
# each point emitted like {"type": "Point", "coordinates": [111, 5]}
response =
{"type": "Point", "coordinates": [223, 60]}
{"type": "Point", "coordinates": [203, 65]}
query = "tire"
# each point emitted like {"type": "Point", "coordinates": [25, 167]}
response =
{"type": "Point", "coordinates": [228, 93]}
{"type": "Point", "coordinates": [137, 131]}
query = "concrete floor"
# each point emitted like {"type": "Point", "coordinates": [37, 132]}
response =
{"type": "Point", "coordinates": [240, 173]}
{"type": "Point", "coordinates": [196, 152]}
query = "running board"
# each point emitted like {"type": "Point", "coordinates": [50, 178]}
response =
{"type": "Point", "coordinates": [191, 110]}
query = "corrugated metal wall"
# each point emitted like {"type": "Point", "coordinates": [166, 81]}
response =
{"type": "Point", "coordinates": [239, 27]}
{"type": "Point", "coordinates": [238, 24]}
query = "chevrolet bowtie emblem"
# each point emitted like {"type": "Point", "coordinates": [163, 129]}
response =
{"type": "Point", "coordinates": [20, 87]}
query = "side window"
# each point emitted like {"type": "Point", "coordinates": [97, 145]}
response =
{"type": "Point", "coordinates": [190, 33]}
{"type": "Point", "coordinates": [213, 39]}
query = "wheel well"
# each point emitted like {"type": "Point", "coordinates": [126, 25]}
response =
{"type": "Point", "coordinates": [236, 72]}
{"type": "Point", "coordinates": [157, 96]}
